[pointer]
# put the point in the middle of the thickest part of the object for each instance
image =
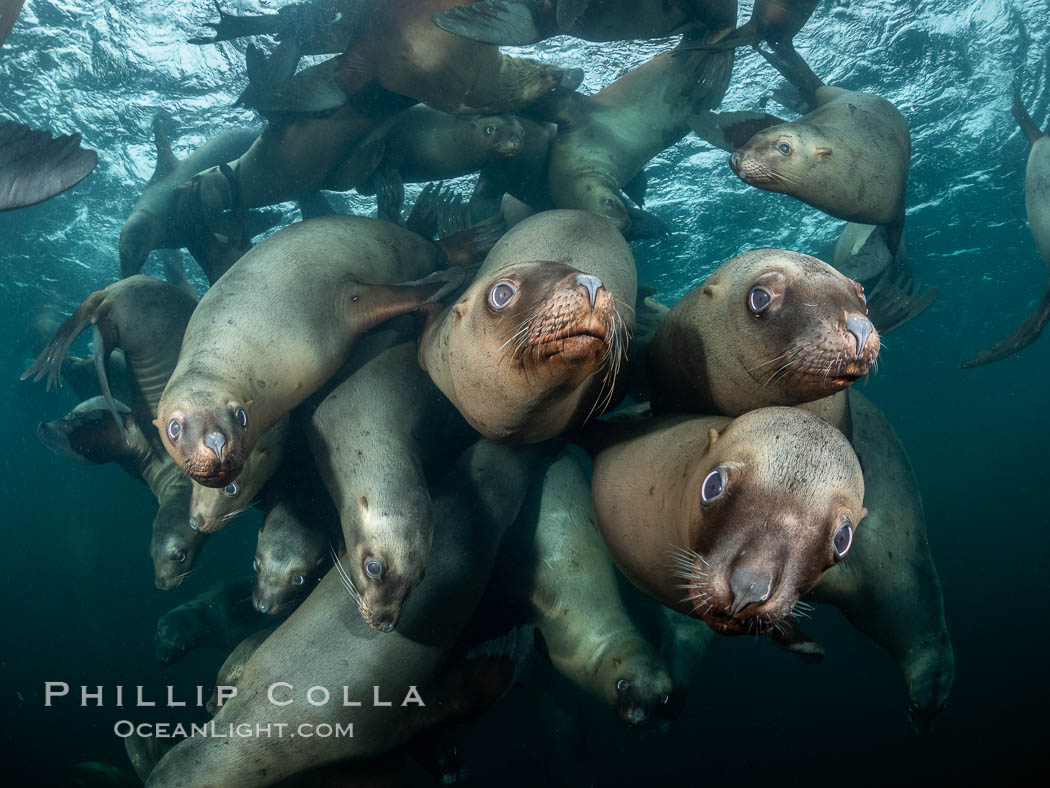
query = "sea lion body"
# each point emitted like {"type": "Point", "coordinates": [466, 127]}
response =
{"type": "Point", "coordinates": [326, 643]}
{"type": "Point", "coordinates": [376, 437]}
{"type": "Point", "coordinates": [685, 507]}
{"type": "Point", "coordinates": [221, 616]}
{"type": "Point", "coordinates": [547, 357]}
{"type": "Point", "coordinates": [230, 672]}
{"type": "Point", "coordinates": [277, 326]}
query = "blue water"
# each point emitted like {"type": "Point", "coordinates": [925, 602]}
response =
{"type": "Point", "coordinates": [80, 603]}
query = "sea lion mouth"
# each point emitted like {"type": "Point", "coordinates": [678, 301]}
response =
{"type": "Point", "coordinates": [755, 172]}
{"type": "Point", "coordinates": [575, 343]}
{"type": "Point", "coordinates": [825, 368]}
{"type": "Point", "coordinates": [212, 474]}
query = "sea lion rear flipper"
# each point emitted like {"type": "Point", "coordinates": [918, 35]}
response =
{"type": "Point", "coordinates": [896, 299]}
{"type": "Point", "coordinates": [730, 130]}
{"type": "Point", "coordinates": [166, 161]}
{"type": "Point", "coordinates": [433, 205]}
{"type": "Point", "coordinates": [795, 70]}
{"type": "Point", "coordinates": [390, 194]}
{"type": "Point", "coordinates": [500, 22]}
{"type": "Point", "coordinates": [49, 362]}
{"type": "Point", "coordinates": [230, 27]}
{"type": "Point", "coordinates": [470, 246]}
{"type": "Point", "coordinates": [788, 636]}
{"type": "Point", "coordinates": [98, 355]}
{"type": "Point", "coordinates": [1021, 337]}
{"type": "Point", "coordinates": [34, 167]}
{"type": "Point", "coordinates": [315, 204]}
{"type": "Point", "coordinates": [265, 71]}
{"type": "Point", "coordinates": [636, 188]}
{"type": "Point", "coordinates": [645, 225]}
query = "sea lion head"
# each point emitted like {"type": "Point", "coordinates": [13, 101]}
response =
{"type": "Point", "coordinates": [772, 505]}
{"type": "Point", "coordinates": [781, 158]}
{"type": "Point", "coordinates": [175, 545]}
{"type": "Point", "coordinates": [138, 237]}
{"type": "Point", "coordinates": [282, 578]}
{"type": "Point", "coordinates": [207, 434]}
{"type": "Point", "coordinates": [640, 687]}
{"type": "Point", "coordinates": [594, 194]}
{"type": "Point", "coordinates": [169, 645]}
{"type": "Point", "coordinates": [501, 134]}
{"type": "Point", "coordinates": [89, 434]}
{"type": "Point", "coordinates": [525, 342]}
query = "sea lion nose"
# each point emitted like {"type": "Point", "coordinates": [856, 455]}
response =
{"type": "Point", "coordinates": [734, 161]}
{"type": "Point", "coordinates": [861, 328]}
{"type": "Point", "coordinates": [262, 606]}
{"type": "Point", "coordinates": [386, 625]}
{"type": "Point", "coordinates": [747, 588]}
{"type": "Point", "coordinates": [215, 441]}
{"type": "Point", "coordinates": [593, 285]}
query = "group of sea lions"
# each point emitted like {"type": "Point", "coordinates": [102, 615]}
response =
{"type": "Point", "coordinates": [417, 402]}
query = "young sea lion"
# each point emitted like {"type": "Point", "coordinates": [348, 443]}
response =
{"type": "Point", "coordinates": [605, 140]}
{"type": "Point", "coordinates": [324, 644]}
{"type": "Point", "coordinates": [278, 325]}
{"type": "Point", "coordinates": [730, 521]}
{"type": "Point", "coordinates": [768, 327]}
{"type": "Point", "coordinates": [524, 22]}
{"type": "Point", "coordinates": [522, 353]}
{"type": "Point", "coordinates": [554, 561]}
{"type": "Point", "coordinates": [1037, 206]}
{"type": "Point", "coordinates": [375, 438]}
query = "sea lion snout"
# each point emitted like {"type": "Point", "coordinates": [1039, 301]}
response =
{"type": "Point", "coordinates": [215, 441]}
{"type": "Point", "coordinates": [861, 328]}
{"type": "Point", "coordinates": [748, 588]}
{"type": "Point", "coordinates": [591, 284]}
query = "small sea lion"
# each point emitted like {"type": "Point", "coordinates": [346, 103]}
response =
{"type": "Point", "coordinates": [212, 509]}
{"type": "Point", "coordinates": [322, 643]}
{"type": "Point", "coordinates": [145, 318]}
{"type": "Point", "coordinates": [35, 167]}
{"type": "Point", "coordinates": [231, 670]}
{"type": "Point", "coordinates": [555, 562]}
{"type": "Point", "coordinates": [1037, 206]}
{"type": "Point", "coordinates": [730, 521]}
{"type": "Point", "coordinates": [278, 325]}
{"type": "Point", "coordinates": [768, 327]}
{"type": "Point", "coordinates": [376, 437]}
{"type": "Point", "coordinates": [534, 345]}
{"type": "Point", "coordinates": [219, 617]}
{"type": "Point", "coordinates": [605, 140]}
{"type": "Point", "coordinates": [525, 22]}
{"type": "Point", "coordinates": [523, 176]}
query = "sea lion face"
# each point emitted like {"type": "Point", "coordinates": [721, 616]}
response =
{"type": "Point", "coordinates": [596, 196]}
{"type": "Point", "coordinates": [777, 500]}
{"type": "Point", "coordinates": [87, 434]}
{"type": "Point", "coordinates": [175, 545]}
{"type": "Point", "coordinates": [797, 327]}
{"type": "Point", "coordinates": [279, 584]}
{"type": "Point", "coordinates": [380, 581]}
{"type": "Point", "coordinates": [640, 688]}
{"type": "Point", "coordinates": [525, 341]}
{"type": "Point", "coordinates": [781, 158]}
{"type": "Point", "coordinates": [501, 134]}
{"type": "Point", "coordinates": [207, 435]}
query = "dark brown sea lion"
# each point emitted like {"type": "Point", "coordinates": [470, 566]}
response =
{"type": "Point", "coordinates": [534, 345]}
{"type": "Point", "coordinates": [605, 140]}
{"type": "Point", "coordinates": [325, 644]}
{"type": "Point", "coordinates": [278, 325]}
{"type": "Point", "coordinates": [523, 176]}
{"type": "Point", "coordinates": [1037, 205]}
{"type": "Point", "coordinates": [524, 22]}
{"type": "Point", "coordinates": [376, 438]}
{"type": "Point", "coordinates": [730, 521]}
{"type": "Point", "coordinates": [774, 21]}
{"type": "Point", "coordinates": [769, 327]}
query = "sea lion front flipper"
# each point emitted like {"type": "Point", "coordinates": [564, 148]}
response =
{"type": "Point", "coordinates": [230, 26]}
{"type": "Point", "coordinates": [795, 70]}
{"type": "Point", "coordinates": [35, 167]}
{"type": "Point", "coordinates": [1024, 120]}
{"type": "Point", "coordinates": [500, 22]}
{"type": "Point", "coordinates": [468, 247]}
{"type": "Point", "coordinates": [390, 194]}
{"type": "Point", "coordinates": [87, 435]}
{"type": "Point", "coordinates": [98, 355]}
{"type": "Point", "coordinates": [431, 207]}
{"type": "Point", "coordinates": [644, 225]}
{"type": "Point", "coordinates": [264, 71]}
{"type": "Point", "coordinates": [788, 636]}
{"type": "Point", "coordinates": [636, 188]}
{"type": "Point", "coordinates": [356, 169]}
{"type": "Point", "coordinates": [49, 362]}
{"type": "Point", "coordinates": [730, 130]}
{"type": "Point", "coordinates": [896, 299]}
{"type": "Point", "coordinates": [1020, 338]}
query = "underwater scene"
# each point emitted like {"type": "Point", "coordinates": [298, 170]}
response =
{"type": "Point", "coordinates": [524, 392]}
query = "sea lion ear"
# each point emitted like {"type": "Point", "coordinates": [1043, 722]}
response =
{"type": "Point", "coordinates": [712, 436]}
{"type": "Point", "coordinates": [823, 151]}
{"type": "Point", "coordinates": [863, 514]}
{"type": "Point", "coordinates": [711, 290]}
{"type": "Point", "coordinates": [460, 308]}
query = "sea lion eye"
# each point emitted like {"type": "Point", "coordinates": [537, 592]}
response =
{"type": "Point", "coordinates": [609, 203]}
{"type": "Point", "coordinates": [298, 580]}
{"type": "Point", "coordinates": [784, 148]}
{"type": "Point", "coordinates": [255, 565]}
{"type": "Point", "coordinates": [373, 568]}
{"type": "Point", "coordinates": [758, 300]}
{"type": "Point", "coordinates": [180, 557]}
{"type": "Point", "coordinates": [490, 130]}
{"type": "Point", "coordinates": [665, 699]}
{"type": "Point", "coordinates": [241, 416]}
{"type": "Point", "coordinates": [231, 489]}
{"type": "Point", "coordinates": [623, 685]}
{"type": "Point", "coordinates": [843, 539]}
{"type": "Point", "coordinates": [174, 429]}
{"type": "Point", "coordinates": [501, 294]}
{"type": "Point", "coordinates": [713, 487]}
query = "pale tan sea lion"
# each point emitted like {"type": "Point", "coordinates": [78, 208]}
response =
{"type": "Point", "coordinates": [325, 643]}
{"type": "Point", "coordinates": [534, 345]}
{"type": "Point", "coordinates": [1037, 206]}
{"type": "Point", "coordinates": [278, 325]}
{"type": "Point", "coordinates": [685, 507]}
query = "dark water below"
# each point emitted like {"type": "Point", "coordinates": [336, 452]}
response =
{"type": "Point", "coordinates": [76, 578]}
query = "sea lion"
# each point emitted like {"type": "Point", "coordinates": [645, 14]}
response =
{"type": "Point", "coordinates": [278, 325]}
{"type": "Point", "coordinates": [605, 140]}
{"type": "Point", "coordinates": [322, 643]}
{"type": "Point", "coordinates": [318, 27]}
{"type": "Point", "coordinates": [1037, 206]}
{"type": "Point", "coordinates": [145, 318]}
{"type": "Point", "coordinates": [212, 509]}
{"type": "Point", "coordinates": [860, 252]}
{"type": "Point", "coordinates": [554, 561]}
{"type": "Point", "coordinates": [768, 327]}
{"type": "Point", "coordinates": [685, 507]}
{"type": "Point", "coordinates": [534, 345]}
{"type": "Point", "coordinates": [774, 21]}
{"type": "Point", "coordinates": [375, 439]}
{"type": "Point", "coordinates": [221, 616]}
{"type": "Point", "coordinates": [525, 22]}
{"type": "Point", "coordinates": [231, 670]}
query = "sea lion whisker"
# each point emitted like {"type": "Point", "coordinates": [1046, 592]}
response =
{"type": "Point", "coordinates": [229, 516]}
{"type": "Point", "coordinates": [347, 582]}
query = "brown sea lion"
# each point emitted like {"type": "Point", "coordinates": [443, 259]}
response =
{"type": "Point", "coordinates": [534, 345]}
{"type": "Point", "coordinates": [278, 325]}
{"type": "Point", "coordinates": [554, 561]}
{"type": "Point", "coordinates": [729, 520]}
{"type": "Point", "coordinates": [605, 140]}
{"type": "Point", "coordinates": [768, 327]}
{"type": "Point", "coordinates": [376, 437]}
{"type": "Point", "coordinates": [1037, 206]}
{"type": "Point", "coordinates": [524, 22]}
{"type": "Point", "coordinates": [325, 644]}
